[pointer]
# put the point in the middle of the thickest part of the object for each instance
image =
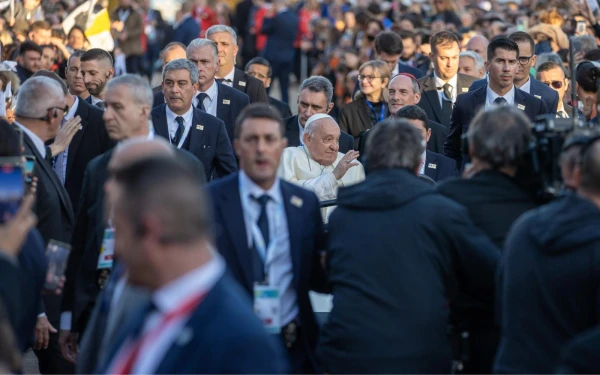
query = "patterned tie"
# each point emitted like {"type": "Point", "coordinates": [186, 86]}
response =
{"type": "Point", "coordinates": [500, 101]}
{"type": "Point", "coordinates": [447, 91]}
{"type": "Point", "coordinates": [201, 98]}
{"type": "Point", "coordinates": [178, 132]}
{"type": "Point", "coordinates": [263, 219]}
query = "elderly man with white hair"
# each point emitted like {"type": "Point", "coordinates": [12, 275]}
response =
{"type": "Point", "coordinates": [318, 165]}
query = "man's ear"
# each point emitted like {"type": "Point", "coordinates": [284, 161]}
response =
{"type": "Point", "coordinates": [329, 107]}
{"type": "Point", "coordinates": [306, 137]}
{"type": "Point", "coordinates": [111, 73]}
{"type": "Point", "coordinates": [269, 80]}
{"type": "Point", "coordinates": [417, 97]}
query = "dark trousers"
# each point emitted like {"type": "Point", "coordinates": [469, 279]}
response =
{"type": "Point", "coordinates": [51, 360]}
{"type": "Point", "coordinates": [281, 71]}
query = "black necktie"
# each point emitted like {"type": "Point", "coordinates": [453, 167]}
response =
{"type": "Point", "coordinates": [447, 91]}
{"type": "Point", "coordinates": [263, 219]}
{"type": "Point", "coordinates": [201, 98]}
{"type": "Point", "coordinates": [224, 80]}
{"type": "Point", "coordinates": [500, 101]}
{"type": "Point", "coordinates": [179, 132]}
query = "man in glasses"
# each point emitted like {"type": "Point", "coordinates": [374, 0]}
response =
{"type": "Point", "coordinates": [553, 75]}
{"type": "Point", "coordinates": [523, 80]}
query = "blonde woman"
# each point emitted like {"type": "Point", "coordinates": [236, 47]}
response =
{"type": "Point", "coordinates": [370, 103]}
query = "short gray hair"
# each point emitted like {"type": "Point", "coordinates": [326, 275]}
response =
{"type": "Point", "coordinates": [475, 56]}
{"type": "Point", "coordinates": [222, 29]}
{"type": "Point", "coordinates": [499, 136]}
{"type": "Point", "coordinates": [587, 43]}
{"type": "Point", "coordinates": [394, 144]}
{"type": "Point", "coordinates": [318, 84]}
{"type": "Point", "coordinates": [139, 88]}
{"type": "Point", "coordinates": [36, 95]}
{"type": "Point", "coordinates": [182, 64]}
{"type": "Point", "coordinates": [202, 42]}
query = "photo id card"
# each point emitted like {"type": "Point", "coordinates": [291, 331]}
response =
{"type": "Point", "coordinates": [107, 251]}
{"type": "Point", "coordinates": [267, 306]}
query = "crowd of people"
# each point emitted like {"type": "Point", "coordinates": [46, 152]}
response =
{"type": "Point", "coordinates": [201, 211]}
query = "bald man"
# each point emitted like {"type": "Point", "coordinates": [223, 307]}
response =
{"type": "Point", "coordinates": [318, 165]}
{"type": "Point", "coordinates": [478, 44]}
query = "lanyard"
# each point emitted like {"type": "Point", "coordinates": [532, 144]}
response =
{"type": "Point", "coordinates": [383, 109]}
{"type": "Point", "coordinates": [126, 364]}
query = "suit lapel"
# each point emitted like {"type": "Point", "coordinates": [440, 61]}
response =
{"type": "Point", "coordinates": [159, 119]}
{"type": "Point", "coordinates": [82, 111]}
{"type": "Point", "coordinates": [239, 76]}
{"type": "Point", "coordinates": [295, 226]}
{"type": "Point", "coordinates": [462, 85]}
{"type": "Point", "coordinates": [222, 109]}
{"type": "Point", "coordinates": [521, 103]}
{"type": "Point", "coordinates": [196, 133]}
{"type": "Point", "coordinates": [479, 97]}
{"type": "Point", "coordinates": [231, 209]}
{"type": "Point", "coordinates": [431, 94]}
{"type": "Point", "coordinates": [431, 170]}
{"type": "Point", "coordinates": [47, 169]}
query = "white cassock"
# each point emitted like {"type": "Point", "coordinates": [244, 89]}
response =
{"type": "Point", "coordinates": [298, 167]}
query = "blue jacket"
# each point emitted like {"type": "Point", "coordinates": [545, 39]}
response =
{"type": "Point", "coordinates": [281, 31]}
{"type": "Point", "coordinates": [187, 31]}
{"type": "Point", "coordinates": [438, 167]}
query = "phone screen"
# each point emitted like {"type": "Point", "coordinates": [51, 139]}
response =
{"type": "Point", "coordinates": [12, 187]}
{"type": "Point", "coordinates": [29, 168]}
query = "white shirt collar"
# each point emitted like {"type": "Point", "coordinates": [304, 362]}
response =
{"type": "Point", "coordinates": [95, 100]}
{"type": "Point", "coordinates": [230, 75]}
{"type": "Point", "coordinates": [491, 96]}
{"type": "Point", "coordinates": [300, 132]}
{"type": "Point", "coordinates": [249, 188]}
{"type": "Point", "coordinates": [193, 283]}
{"type": "Point", "coordinates": [211, 92]}
{"type": "Point", "coordinates": [424, 159]}
{"type": "Point", "coordinates": [69, 115]}
{"type": "Point", "coordinates": [526, 86]}
{"type": "Point", "coordinates": [187, 117]}
{"type": "Point", "coordinates": [37, 141]}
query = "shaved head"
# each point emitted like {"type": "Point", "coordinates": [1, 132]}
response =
{"type": "Point", "coordinates": [478, 44]}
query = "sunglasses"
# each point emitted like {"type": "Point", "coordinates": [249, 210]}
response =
{"type": "Point", "coordinates": [556, 84]}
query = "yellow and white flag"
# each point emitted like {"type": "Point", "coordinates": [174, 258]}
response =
{"type": "Point", "coordinates": [97, 26]}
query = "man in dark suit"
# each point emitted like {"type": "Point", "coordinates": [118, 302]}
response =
{"type": "Point", "coordinates": [434, 165]}
{"type": "Point", "coordinates": [494, 199]}
{"type": "Point", "coordinates": [316, 94]}
{"type": "Point", "coordinates": [281, 27]}
{"type": "Point", "coordinates": [218, 100]}
{"type": "Point", "coordinates": [440, 90]}
{"type": "Point", "coordinates": [89, 141]}
{"type": "Point", "coordinates": [388, 46]}
{"type": "Point", "coordinates": [279, 233]}
{"type": "Point", "coordinates": [39, 112]}
{"type": "Point", "coordinates": [553, 75]}
{"type": "Point", "coordinates": [218, 330]}
{"type": "Point", "coordinates": [503, 59]}
{"type": "Point", "coordinates": [187, 29]}
{"type": "Point", "coordinates": [524, 81]}
{"type": "Point", "coordinates": [74, 77]}
{"type": "Point", "coordinates": [228, 74]}
{"type": "Point", "coordinates": [97, 69]}
{"type": "Point", "coordinates": [404, 90]}
{"type": "Point", "coordinates": [126, 117]}
{"type": "Point", "coordinates": [243, 10]}
{"type": "Point", "coordinates": [260, 69]}
{"type": "Point", "coordinates": [187, 127]}
{"type": "Point", "coordinates": [28, 60]}
{"type": "Point", "coordinates": [172, 51]}
{"type": "Point", "coordinates": [437, 252]}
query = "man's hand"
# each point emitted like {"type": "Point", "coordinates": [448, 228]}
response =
{"type": "Point", "coordinates": [346, 163]}
{"type": "Point", "coordinates": [68, 345]}
{"type": "Point", "coordinates": [65, 135]}
{"type": "Point", "coordinates": [43, 329]}
{"type": "Point", "coordinates": [14, 232]}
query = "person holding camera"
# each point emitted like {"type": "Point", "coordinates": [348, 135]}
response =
{"type": "Point", "coordinates": [549, 277]}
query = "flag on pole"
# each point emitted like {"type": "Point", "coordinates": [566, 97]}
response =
{"type": "Point", "coordinates": [96, 25]}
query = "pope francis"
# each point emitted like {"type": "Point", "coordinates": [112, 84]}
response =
{"type": "Point", "coordinates": [317, 165]}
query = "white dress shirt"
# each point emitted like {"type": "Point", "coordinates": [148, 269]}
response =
{"type": "Point", "coordinates": [60, 164]}
{"type": "Point", "coordinates": [526, 86]}
{"type": "Point", "coordinates": [210, 103]}
{"type": "Point", "coordinates": [278, 264]}
{"type": "Point", "coordinates": [229, 77]}
{"type": "Point", "coordinates": [561, 109]}
{"type": "Point", "coordinates": [167, 299]}
{"type": "Point", "coordinates": [95, 100]}
{"type": "Point", "coordinates": [453, 82]}
{"type": "Point", "coordinates": [423, 161]}
{"type": "Point", "coordinates": [491, 96]}
{"type": "Point", "coordinates": [173, 125]}
{"type": "Point", "coordinates": [37, 141]}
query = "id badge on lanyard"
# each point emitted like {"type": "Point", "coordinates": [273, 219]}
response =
{"type": "Point", "coordinates": [381, 115]}
{"type": "Point", "coordinates": [107, 251]}
{"type": "Point", "coordinates": [267, 298]}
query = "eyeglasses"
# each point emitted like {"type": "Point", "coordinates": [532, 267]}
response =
{"type": "Point", "coordinates": [556, 84]}
{"type": "Point", "coordinates": [524, 59]}
{"type": "Point", "coordinates": [65, 109]}
{"type": "Point", "coordinates": [368, 78]}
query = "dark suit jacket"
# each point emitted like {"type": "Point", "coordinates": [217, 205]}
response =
{"type": "Point", "coordinates": [281, 31]}
{"type": "Point", "coordinates": [305, 227]}
{"type": "Point", "coordinates": [81, 287]}
{"type": "Point", "coordinates": [187, 31]}
{"type": "Point", "coordinates": [23, 73]}
{"type": "Point", "coordinates": [10, 291]}
{"type": "Point", "coordinates": [54, 212]}
{"type": "Point", "coordinates": [292, 133]}
{"type": "Point", "coordinates": [356, 119]}
{"type": "Point", "coordinates": [230, 103]}
{"type": "Point", "coordinates": [430, 100]}
{"type": "Point", "coordinates": [467, 106]}
{"type": "Point", "coordinates": [536, 88]}
{"type": "Point", "coordinates": [224, 337]}
{"type": "Point", "coordinates": [89, 142]}
{"type": "Point", "coordinates": [250, 86]}
{"type": "Point", "coordinates": [210, 144]}
{"type": "Point", "coordinates": [282, 107]}
{"type": "Point", "coordinates": [438, 167]}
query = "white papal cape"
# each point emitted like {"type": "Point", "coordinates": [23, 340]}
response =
{"type": "Point", "coordinates": [298, 167]}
